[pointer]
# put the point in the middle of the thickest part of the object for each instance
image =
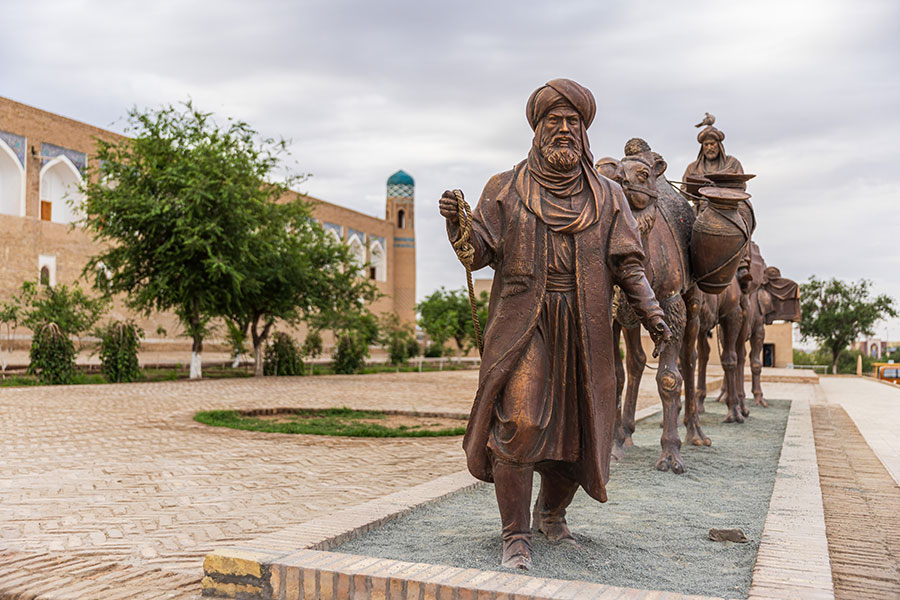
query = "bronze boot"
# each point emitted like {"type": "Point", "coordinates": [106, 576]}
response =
{"type": "Point", "coordinates": [555, 496]}
{"type": "Point", "coordinates": [512, 484]}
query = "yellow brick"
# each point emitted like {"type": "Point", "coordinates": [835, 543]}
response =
{"type": "Point", "coordinates": [229, 590]}
{"type": "Point", "coordinates": [236, 562]}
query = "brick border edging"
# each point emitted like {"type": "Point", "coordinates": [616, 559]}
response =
{"type": "Point", "coordinates": [244, 571]}
{"type": "Point", "coordinates": [792, 560]}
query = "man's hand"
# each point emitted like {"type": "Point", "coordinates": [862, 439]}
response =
{"type": "Point", "coordinates": [661, 335]}
{"type": "Point", "coordinates": [449, 207]}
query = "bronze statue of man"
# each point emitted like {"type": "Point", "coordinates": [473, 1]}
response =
{"type": "Point", "coordinates": [712, 157]}
{"type": "Point", "coordinates": [558, 236]}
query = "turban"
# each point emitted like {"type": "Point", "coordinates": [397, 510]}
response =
{"type": "Point", "coordinates": [538, 175]}
{"type": "Point", "coordinates": [560, 90]}
{"type": "Point", "coordinates": [710, 132]}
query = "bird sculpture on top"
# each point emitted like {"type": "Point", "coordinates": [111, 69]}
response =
{"type": "Point", "coordinates": [707, 121]}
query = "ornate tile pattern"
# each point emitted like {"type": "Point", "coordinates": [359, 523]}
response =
{"type": "Point", "coordinates": [338, 229]}
{"type": "Point", "coordinates": [16, 143]}
{"type": "Point", "coordinates": [51, 151]}
{"type": "Point", "coordinates": [401, 190]}
{"type": "Point", "coordinates": [377, 238]}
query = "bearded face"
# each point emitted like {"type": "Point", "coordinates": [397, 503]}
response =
{"type": "Point", "coordinates": [710, 149]}
{"type": "Point", "coordinates": [560, 140]}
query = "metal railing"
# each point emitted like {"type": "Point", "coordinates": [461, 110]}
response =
{"type": "Point", "coordinates": [813, 367]}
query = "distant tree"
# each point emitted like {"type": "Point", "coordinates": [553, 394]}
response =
{"type": "Point", "coordinates": [54, 315]}
{"type": "Point", "coordinates": [73, 311]}
{"type": "Point", "coordinates": [445, 315]}
{"type": "Point", "coordinates": [836, 312]}
{"type": "Point", "coordinates": [9, 322]}
{"type": "Point", "coordinates": [312, 344]}
{"type": "Point", "coordinates": [292, 271]}
{"type": "Point", "coordinates": [175, 208]}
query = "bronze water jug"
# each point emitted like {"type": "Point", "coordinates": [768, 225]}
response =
{"type": "Point", "coordinates": [720, 237]}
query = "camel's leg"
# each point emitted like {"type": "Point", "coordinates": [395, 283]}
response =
{"type": "Point", "coordinates": [635, 361]}
{"type": "Point", "coordinates": [668, 381]}
{"type": "Point", "coordinates": [757, 337]}
{"type": "Point", "coordinates": [729, 328]}
{"type": "Point", "coordinates": [618, 449]}
{"type": "Point", "coordinates": [702, 360]}
{"type": "Point", "coordinates": [694, 433]}
{"type": "Point", "coordinates": [741, 348]}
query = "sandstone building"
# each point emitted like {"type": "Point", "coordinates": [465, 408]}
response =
{"type": "Point", "coordinates": [44, 156]}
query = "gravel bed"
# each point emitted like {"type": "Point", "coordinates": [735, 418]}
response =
{"type": "Point", "coordinates": [652, 534]}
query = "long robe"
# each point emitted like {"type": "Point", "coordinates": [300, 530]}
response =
{"type": "Point", "coordinates": [511, 238]}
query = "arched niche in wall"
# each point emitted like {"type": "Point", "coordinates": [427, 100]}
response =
{"type": "Point", "coordinates": [59, 186]}
{"type": "Point", "coordinates": [47, 269]}
{"type": "Point", "coordinates": [378, 261]}
{"type": "Point", "coordinates": [12, 183]}
{"type": "Point", "coordinates": [401, 218]}
{"type": "Point", "coordinates": [357, 249]}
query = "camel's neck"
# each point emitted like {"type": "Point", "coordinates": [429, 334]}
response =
{"type": "Point", "coordinates": [646, 218]}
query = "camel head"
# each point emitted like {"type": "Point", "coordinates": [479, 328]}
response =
{"type": "Point", "coordinates": [637, 174]}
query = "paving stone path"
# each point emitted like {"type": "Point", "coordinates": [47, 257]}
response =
{"type": "Point", "coordinates": [861, 501]}
{"type": "Point", "coordinates": [117, 483]}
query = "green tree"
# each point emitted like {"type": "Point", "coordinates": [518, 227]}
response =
{"type": "Point", "coordinates": [292, 271]}
{"type": "Point", "coordinates": [9, 322]}
{"type": "Point", "coordinates": [836, 312]}
{"type": "Point", "coordinates": [447, 315]}
{"type": "Point", "coordinates": [175, 208]}
{"type": "Point", "coordinates": [54, 315]}
{"type": "Point", "coordinates": [73, 311]}
{"type": "Point", "coordinates": [312, 345]}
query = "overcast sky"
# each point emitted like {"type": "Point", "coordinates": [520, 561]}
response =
{"type": "Point", "coordinates": [807, 93]}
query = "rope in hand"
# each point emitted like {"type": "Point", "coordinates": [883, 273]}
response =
{"type": "Point", "coordinates": [466, 254]}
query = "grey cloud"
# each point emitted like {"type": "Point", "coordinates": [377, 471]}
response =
{"type": "Point", "coordinates": [806, 95]}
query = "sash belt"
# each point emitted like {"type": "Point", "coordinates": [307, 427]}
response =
{"type": "Point", "coordinates": [560, 282]}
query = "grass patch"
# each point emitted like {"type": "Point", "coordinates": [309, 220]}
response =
{"type": "Point", "coordinates": [344, 422]}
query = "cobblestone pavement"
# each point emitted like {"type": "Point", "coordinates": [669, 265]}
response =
{"type": "Point", "coordinates": [121, 476]}
{"type": "Point", "coordinates": [861, 500]}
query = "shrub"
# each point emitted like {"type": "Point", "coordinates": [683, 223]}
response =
{"type": "Point", "coordinates": [398, 337]}
{"type": "Point", "coordinates": [312, 345]}
{"type": "Point", "coordinates": [119, 345]}
{"type": "Point", "coordinates": [412, 347]}
{"type": "Point", "coordinates": [282, 356]}
{"type": "Point", "coordinates": [52, 355]}
{"type": "Point", "coordinates": [397, 351]}
{"type": "Point", "coordinates": [350, 353]}
{"type": "Point", "coordinates": [434, 351]}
